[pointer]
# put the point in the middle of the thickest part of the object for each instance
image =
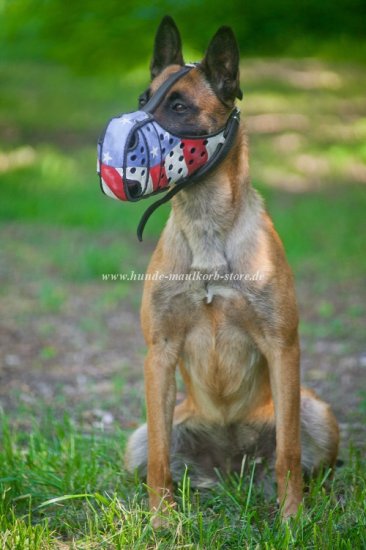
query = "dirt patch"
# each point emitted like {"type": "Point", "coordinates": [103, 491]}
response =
{"type": "Point", "coordinates": [334, 353]}
{"type": "Point", "coordinates": [69, 362]}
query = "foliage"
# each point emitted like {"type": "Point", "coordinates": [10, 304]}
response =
{"type": "Point", "coordinates": [102, 36]}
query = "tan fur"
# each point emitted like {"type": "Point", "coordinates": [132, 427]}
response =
{"type": "Point", "coordinates": [239, 354]}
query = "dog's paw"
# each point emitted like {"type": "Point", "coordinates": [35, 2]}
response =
{"type": "Point", "coordinates": [162, 517]}
{"type": "Point", "coordinates": [160, 521]}
{"type": "Point", "coordinates": [290, 508]}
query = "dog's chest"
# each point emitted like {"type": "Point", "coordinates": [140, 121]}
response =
{"type": "Point", "coordinates": [216, 345]}
{"type": "Point", "coordinates": [219, 356]}
{"type": "Point", "coordinates": [204, 293]}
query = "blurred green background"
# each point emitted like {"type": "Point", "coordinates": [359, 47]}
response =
{"type": "Point", "coordinates": [64, 71]}
{"type": "Point", "coordinates": [93, 36]}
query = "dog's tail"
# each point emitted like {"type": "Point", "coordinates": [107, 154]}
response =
{"type": "Point", "coordinates": [206, 450]}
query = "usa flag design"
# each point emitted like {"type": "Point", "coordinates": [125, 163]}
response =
{"type": "Point", "coordinates": [137, 148]}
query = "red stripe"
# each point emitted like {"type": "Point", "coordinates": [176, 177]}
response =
{"type": "Point", "coordinates": [114, 181]}
{"type": "Point", "coordinates": [158, 176]}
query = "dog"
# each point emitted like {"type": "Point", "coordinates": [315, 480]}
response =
{"type": "Point", "coordinates": [233, 335]}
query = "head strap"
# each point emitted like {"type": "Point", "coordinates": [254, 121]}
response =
{"type": "Point", "coordinates": [159, 95]}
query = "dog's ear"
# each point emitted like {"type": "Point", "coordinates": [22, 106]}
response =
{"type": "Point", "coordinates": [221, 65]}
{"type": "Point", "coordinates": [167, 47]}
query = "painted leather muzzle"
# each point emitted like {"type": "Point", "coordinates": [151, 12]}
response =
{"type": "Point", "coordinates": [138, 157]}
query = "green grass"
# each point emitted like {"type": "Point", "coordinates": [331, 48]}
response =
{"type": "Point", "coordinates": [309, 170]}
{"type": "Point", "coordinates": [59, 484]}
{"type": "Point", "coordinates": [318, 231]}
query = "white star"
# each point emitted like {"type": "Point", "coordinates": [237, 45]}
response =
{"type": "Point", "coordinates": [166, 135]}
{"type": "Point", "coordinates": [106, 157]}
{"type": "Point", "coordinates": [125, 120]}
{"type": "Point", "coordinates": [154, 152]}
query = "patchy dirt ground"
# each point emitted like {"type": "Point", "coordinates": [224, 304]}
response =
{"type": "Point", "coordinates": [71, 342]}
{"type": "Point", "coordinates": [78, 348]}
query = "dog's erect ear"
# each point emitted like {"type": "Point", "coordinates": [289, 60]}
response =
{"type": "Point", "coordinates": [167, 47]}
{"type": "Point", "coordinates": [221, 65]}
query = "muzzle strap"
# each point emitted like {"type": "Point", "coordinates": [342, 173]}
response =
{"type": "Point", "coordinates": [230, 132]}
{"type": "Point", "coordinates": [160, 93]}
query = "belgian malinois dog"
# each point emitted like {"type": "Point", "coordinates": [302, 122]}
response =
{"type": "Point", "coordinates": [233, 333]}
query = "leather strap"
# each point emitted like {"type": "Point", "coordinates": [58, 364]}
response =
{"type": "Point", "coordinates": [159, 95]}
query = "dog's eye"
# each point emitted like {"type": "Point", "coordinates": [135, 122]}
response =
{"type": "Point", "coordinates": [179, 107]}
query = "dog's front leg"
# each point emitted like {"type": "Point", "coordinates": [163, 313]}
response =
{"type": "Point", "coordinates": [160, 391]}
{"type": "Point", "coordinates": [285, 385]}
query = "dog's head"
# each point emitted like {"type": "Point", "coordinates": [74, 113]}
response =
{"type": "Point", "coordinates": [185, 125]}
{"type": "Point", "coordinates": [200, 102]}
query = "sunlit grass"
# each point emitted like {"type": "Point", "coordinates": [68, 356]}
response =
{"type": "Point", "coordinates": [307, 132]}
{"type": "Point", "coordinates": [306, 121]}
{"type": "Point", "coordinates": [62, 485]}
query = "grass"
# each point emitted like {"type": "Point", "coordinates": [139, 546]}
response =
{"type": "Point", "coordinates": [62, 488]}
{"type": "Point", "coordinates": [62, 484]}
{"type": "Point", "coordinates": [299, 163]}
